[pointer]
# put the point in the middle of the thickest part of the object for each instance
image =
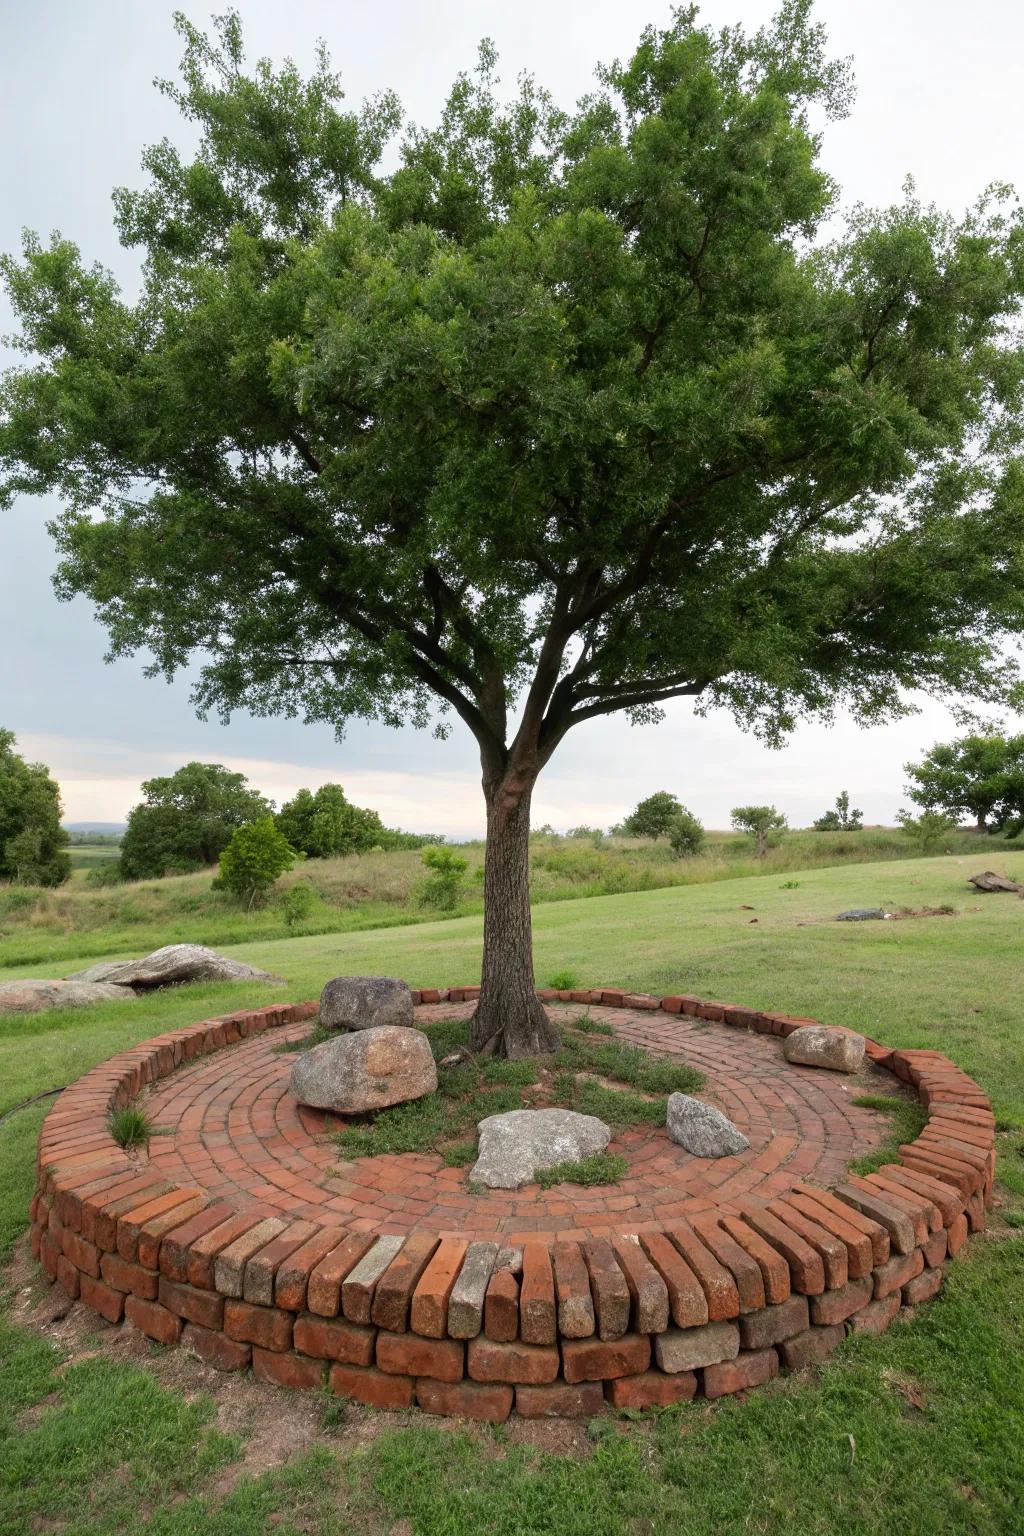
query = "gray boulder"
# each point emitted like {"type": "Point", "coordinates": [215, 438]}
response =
{"type": "Point", "coordinates": [815, 1045]}
{"type": "Point", "coordinates": [515, 1147]}
{"type": "Point", "coordinates": [861, 915]}
{"type": "Point", "coordinates": [990, 881]}
{"type": "Point", "coordinates": [170, 966]}
{"type": "Point", "coordinates": [701, 1128]}
{"type": "Point", "coordinates": [367, 1070]}
{"type": "Point", "coordinates": [35, 996]}
{"type": "Point", "coordinates": [366, 1002]}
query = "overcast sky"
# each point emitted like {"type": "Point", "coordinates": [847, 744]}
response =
{"type": "Point", "coordinates": [940, 96]}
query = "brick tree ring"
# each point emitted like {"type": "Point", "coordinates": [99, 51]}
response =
{"type": "Point", "coordinates": [242, 1238]}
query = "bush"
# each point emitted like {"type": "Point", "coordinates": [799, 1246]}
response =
{"type": "Point", "coordinates": [761, 821]}
{"type": "Point", "coordinates": [842, 818]}
{"type": "Point", "coordinates": [104, 874]}
{"type": "Point", "coordinates": [654, 816]}
{"type": "Point", "coordinates": [443, 888]}
{"type": "Point", "coordinates": [927, 830]}
{"type": "Point", "coordinates": [254, 858]}
{"type": "Point", "coordinates": [686, 834]}
{"type": "Point", "coordinates": [563, 981]}
{"type": "Point", "coordinates": [298, 903]}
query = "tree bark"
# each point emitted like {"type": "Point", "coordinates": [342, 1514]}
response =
{"type": "Point", "coordinates": [509, 1019]}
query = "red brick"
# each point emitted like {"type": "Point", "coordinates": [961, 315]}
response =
{"type": "Point", "coordinates": [687, 1302]}
{"type": "Point", "coordinates": [560, 1401]}
{"type": "Point", "coordinates": [49, 1253]}
{"type": "Point", "coordinates": [965, 1179]}
{"type": "Point", "coordinates": [216, 1348]}
{"type": "Point", "coordinates": [877, 1235]}
{"type": "Point", "coordinates": [750, 1369]}
{"type": "Point", "coordinates": [835, 1306]}
{"type": "Point", "coordinates": [466, 1303]}
{"type": "Point", "coordinates": [956, 1236]}
{"type": "Point", "coordinates": [130, 1225]}
{"type": "Point", "coordinates": [174, 1250]}
{"type": "Point", "coordinates": [359, 1285]}
{"type": "Point", "coordinates": [922, 1212]}
{"type": "Point", "coordinates": [269, 1327]}
{"type": "Point", "coordinates": [334, 1339]}
{"type": "Point", "coordinates": [975, 1214]}
{"type": "Point", "coordinates": [876, 1316]}
{"type": "Point", "coordinates": [805, 1263]}
{"type": "Point", "coordinates": [648, 1291]}
{"type": "Point", "coordinates": [374, 1388]}
{"type": "Point", "coordinates": [934, 1249]}
{"type": "Point", "coordinates": [773, 1267]}
{"type": "Point", "coordinates": [922, 1287]}
{"type": "Point", "coordinates": [291, 1282]}
{"type": "Point", "coordinates": [428, 1313]}
{"type": "Point", "coordinates": [151, 1235]}
{"type": "Point", "coordinates": [860, 1256]}
{"type": "Point", "coordinates": [465, 1400]}
{"type": "Point", "coordinates": [609, 1288]}
{"type": "Point", "coordinates": [895, 1221]}
{"type": "Point", "coordinates": [525, 1364]}
{"type": "Point", "coordinates": [745, 1271]}
{"type": "Point", "coordinates": [287, 1370]}
{"type": "Point", "coordinates": [593, 1360]}
{"type": "Point", "coordinates": [323, 1294]}
{"type": "Point", "coordinates": [393, 1295]}
{"type": "Point", "coordinates": [716, 1282]}
{"type": "Point", "coordinates": [205, 1249]}
{"type": "Point", "coordinates": [68, 1277]}
{"type": "Point", "coordinates": [501, 1307]}
{"type": "Point", "coordinates": [83, 1254]}
{"type": "Point", "coordinates": [407, 1354]}
{"type": "Point", "coordinates": [652, 1389]}
{"type": "Point", "coordinates": [831, 1249]}
{"type": "Point", "coordinates": [572, 1286]}
{"type": "Point", "coordinates": [537, 1317]}
{"type": "Point", "coordinates": [153, 1320]}
{"type": "Point", "coordinates": [229, 1265]}
{"type": "Point", "coordinates": [949, 1200]}
{"type": "Point", "coordinates": [808, 1348]}
{"type": "Point", "coordinates": [129, 1277]}
{"type": "Point", "coordinates": [261, 1270]}
{"type": "Point", "coordinates": [102, 1298]}
{"type": "Point", "coordinates": [772, 1324]}
{"type": "Point", "coordinates": [895, 1273]}
{"type": "Point", "coordinates": [203, 1307]}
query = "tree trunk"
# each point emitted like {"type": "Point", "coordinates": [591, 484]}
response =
{"type": "Point", "coordinates": [982, 823]}
{"type": "Point", "coordinates": [509, 1019]}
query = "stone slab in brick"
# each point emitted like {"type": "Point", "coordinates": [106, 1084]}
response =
{"type": "Point", "coordinates": [759, 1330]}
{"type": "Point", "coordinates": [501, 1307]}
{"type": "Point", "coordinates": [488, 1403]}
{"type": "Point", "coordinates": [466, 1303]}
{"type": "Point", "coordinates": [576, 1318]}
{"type": "Point", "coordinates": [688, 1305]}
{"type": "Point", "coordinates": [608, 1288]}
{"type": "Point", "coordinates": [428, 1313]}
{"type": "Point", "coordinates": [407, 1354]}
{"type": "Point", "coordinates": [334, 1338]}
{"type": "Point", "coordinates": [648, 1291]}
{"type": "Point", "coordinates": [560, 1401]}
{"type": "Point", "coordinates": [652, 1389]}
{"type": "Point", "coordinates": [895, 1273]}
{"type": "Point", "coordinates": [269, 1327]}
{"type": "Point", "coordinates": [229, 1265]}
{"type": "Point", "coordinates": [537, 1315]}
{"type": "Point", "coordinates": [596, 1360]}
{"type": "Point", "coordinates": [687, 1349]}
{"type": "Point", "coordinates": [360, 1283]}
{"type": "Point", "coordinates": [835, 1306]}
{"type": "Point", "coordinates": [153, 1320]}
{"type": "Point", "coordinates": [287, 1370]}
{"type": "Point", "coordinates": [261, 1269]}
{"type": "Point", "coordinates": [922, 1287]}
{"type": "Point", "coordinates": [716, 1282]}
{"type": "Point", "coordinates": [876, 1316]}
{"type": "Point", "coordinates": [374, 1388]}
{"type": "Point", "coordinates": [216, 1348]}
{"type": "Point", "coordinates": [774, 1269]}
{"type": "Point", "coordinates": [393, 1294]}
{"type": "Point", "coordinates": [203, 1307]}
{"type": "Point", "coordinates": [515, 1364]}
{"type": "Point", "coordinates": [323, 1292]}
{"type": "Point", "coordinates": [751, 1368]}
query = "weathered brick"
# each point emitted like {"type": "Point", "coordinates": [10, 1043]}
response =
{"type": "Point", "coordinates": [895, 1273]}
{"type": "Point", "coordinates": [560, 1401]}
{"type": "Point", "coordinates": [124, 1276]}
{"type": "Point", "coordinates": [175, 1248]}
{"type": "Point", "coordinates": [229, 1265]}
{"type": "Point", "coordinates": [203, 1250]}
{"type": "Point", "coordinates": [877, 1235]}
{"type": "Point", "coordinates": [334, 1339]}
{"type": "Point", "coordinates": [918, 1209]}
{"type": "Point", "coordinates": [407, 1354]}
{"type": "Point", "coordinates": [501, 1307]}
{"type": "Point", "coordinates": [206, 1308]}
{"type": "Point", "coordinates": [323, 1293]}
{"type": "Point", "coordinates": [216, 1348]}
{"type": "Point", "coordinates": [934, 1249]}
{"type": "Point", "coordinates": [526, 1364]}
{"type": "Point", "coordinates": [648, 1291]}
{"type": "Point", "coordinates": [153, 1320]}
{"type": "Point", "coordinates": [572, 1287]}
{"type": "Point", "coordinates": [745, 1271]}
{"type": "Point", "coordinates": [269, 1327]}
{"type": "Point", "coordinates": [465, 1399]}
{"type": "Point", "coordinates": [608, 1287]}
{"type": "Point", "coordinates": [715, 1281]}
{"type": "Point", "coordinates": [750, 1369]}
{"type": "Point", "coordinates": [805, 1263]}
{"type": "Point", "coordinates": [83, 1254]}
{"type": "Point", "coordinates": [922, 1287]}
{"type": "Point", "coordinates": [687, 1303]}
{"type": "Point", "coordinates": [596, 1360]}
{"type": "Point", "coordinates": [830, 1248]}
{"type": "Point", "coordinates": [466, 1303]}
{"type": "Point", "coordinates": [129, 1226]}
{"type": "Point", "coordinates": [151, 1234]}
{"type": "Point", "coordinates": [807, 1348]}
{"type": "Point", "coordinates": [687, 1349]}
{"type": "Point", "coordinates": [393, 1293]}
{"type": "Point", "coordinates": [774, 1269]}
{"type": "Point", "coordinates": [876, 1316]}
{"type": "Point", "coordinates": [975, 1214]}
{"type": "Point", "coordinates": [49, 1253]}
{"type": "Point", "coordinates": [835, 1306]}
{"type": "Point", "coordinates": [770, 1325]}
{"type": "Point", "coordinates": [896, 1222]}
{"type": "Point", "coordinates": [359, 1284]}
{"type": "Point", "coordinates": [287, 1370]}
{"type": "Point", "coordinates": [366, 1385]}
{"type": "Point", "coordinates": [261, 1269]}
{"type": "Point", "coordinates": [68, 1277]}
{"type": "Point", "coordinates": [428, 1313]}
{"type": "Point", "coordinates": [537, 1316]}
{"type": "Point", "coordinates": [652, 1389]}
{"type": "Point", "coordinates": [949, 1200]}
{"type": "Point", "coordinates": [859, 1252]}
{"type": "Point", "coordinates": [102, 1298]}
{"type": "Point", "coordinates": [291, 1282]}
{"type": "Point", "coordinates": [956, 1235]}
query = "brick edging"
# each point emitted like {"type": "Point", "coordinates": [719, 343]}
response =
{"type": "Point", "coordinates": [462, 1327]}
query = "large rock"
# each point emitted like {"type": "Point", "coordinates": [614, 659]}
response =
{"type": "Point", "coordinates": [862, 915]}
{"type": "Point", "coordinates": [515, 1147]}
{"type": "Point", "coordinates": [815, 1045]}
{"type": "Point", "coordinates": [365, 1002]}
{"type": "Point", "coordinates": [990, 881]}
{"type": "Point", "coordinates": [369, 1069]}
{"type": "Point", "coordinates": [34, 996]}
{"type": "Point", "coordinates": [170, 966]}
{"type": "Point", "coordinates": [701, 1128]}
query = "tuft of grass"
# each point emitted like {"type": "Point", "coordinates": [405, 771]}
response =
{"type": "Point", "coordinates": [459, 1154]}
{"type": "Point", "coordinates": [591, 1026]}
{"type": "Point", "coordinates": [563, 981]}
{"type": "Point", "coordinates": [907, 1120]}
{"type": "Point", "coordinates": [618, 1106]}
{"type": "Point", "coordinates": [130, 1126]}
{"type": "Point", "coordinates": [598, 1168]}
{"type": "Point", "coordinates": [627, 1064]}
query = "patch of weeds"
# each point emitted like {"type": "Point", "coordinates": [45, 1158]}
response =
{"type": "Point", "coordinates": [332, 1411]}
{"type": "Point", "coordinates": [599, 1168]}
{"type": "Point", "coordinates": [130, 1126]}
{"type": "Point", "coordinates": [588, 1026]}
{"type": "Point", "coordinates": [617, 1106]}
{"type": "Point", "coordinates": [563, 981]}
{"type": "Point", "coordinates": [317, 1036]}
{"type": "Point", "coordinates": [790, 885]}
{"type": "Point", "coordinates": [1013, 1218]}
{"type": "Point", "coordinates": [459, 1155]}
{"type": "Point", "coordinates": [627, 1064]}
{"type": "Point", "coordinates": [422, 1124]}
{"type": "Point", "coordinates": [515, 1074]}
{"type": "Point", "coordinates": [907, 1120]}
{"type": "Point", "coordinates": [563, 1085]}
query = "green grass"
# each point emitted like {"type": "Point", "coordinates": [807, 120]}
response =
{"type": "Point", "coordinates": [907, 1120]}
{"type": "Point", "coordinates": [919, 1433]}
{"type": "Point", "coordinates": [130, 1126]}
{"type": "Point", "coordinates": [598, 1168]}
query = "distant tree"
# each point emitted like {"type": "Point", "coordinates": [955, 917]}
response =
{"type": "Point", "coordinates": [32, 840]}
{"type": "Point", "coordinates": [928, 829]}
{"type": "Point", "coordinates": [841, 819]}
{"type": "Point", "coordinates": [256, 855]}
{"type": "Point", "coordinates": [761, 821]}
{"type": "Point", "coordinates": [186, 820]}
{"type": "Point", "coordinates": [654, 816]}
{"type": "Point", "coordinates": [323, 824]}
{"type": "Point", "coordinates": [976, 775]}
{"type": "Point", "coordinates": [443, 887]}
{"type": "Point", "coordinates": [685, 833]}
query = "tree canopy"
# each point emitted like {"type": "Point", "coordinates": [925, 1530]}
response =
{"type": "Point", "coordinates": [760, 821]}
{"type": "Point", "coordinates": [32, 840]}
{"type": "Point", "coordinates": [186, 820]}
{"type": "Point", "coordinates": [842, 818]}
{"type": "Point", "coordinates": [654, 816]}
{"type": "Point", "coordinates": [574, 411]}
{"type": "Point", "coordinates": [980, 775]}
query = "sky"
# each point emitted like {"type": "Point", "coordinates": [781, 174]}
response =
{"type": "Point", "coordinates": [940, 96]}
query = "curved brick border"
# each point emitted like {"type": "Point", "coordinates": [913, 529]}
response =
{"type": "Point", "coordinates": [468, 1328]}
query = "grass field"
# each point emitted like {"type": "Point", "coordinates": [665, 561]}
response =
{"type": "Point", "coordinates": [919, 1432]}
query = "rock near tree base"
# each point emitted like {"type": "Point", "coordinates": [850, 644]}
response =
{"type": "Point", "coordinates": [516, 1146]}
{"type": "Point", "coordinates": [369, 1069]}
{"type": "Point", "coordinates": [366, 1002]}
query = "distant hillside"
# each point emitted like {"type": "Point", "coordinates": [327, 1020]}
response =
{"type": "Point", "coordinates": [116, 828]}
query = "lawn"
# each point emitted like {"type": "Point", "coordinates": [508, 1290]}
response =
{"type": "Point", "coordinates": [919, 1432]}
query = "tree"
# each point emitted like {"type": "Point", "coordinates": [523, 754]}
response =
{"type": "Point", "coordinates": [977, 775]}
{"type": "Point", "coordinates": [324, 824]}
{"type": "Point", "coordinates": [443, 886]}
{"type": "Point", "coordinates": [547, 416]}
{"type": "Point", "coordinates": [255, 856]}
{"type": "Point", "coordinates": [842, 818]}
{"type": "Point", "coordinates": [686, 834]}
{"type": "Point", "coordinates": [186, 820]}
{"type": "Point", "coordinates": [928, 829]}
{"type": "Point", "coordinates": [654, 816]}
{"type": "Point", "coordinates": [32, 840]}
{"type": "Point", "coordinates": [761, 821]}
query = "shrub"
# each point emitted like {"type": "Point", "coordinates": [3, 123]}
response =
{"type": "Point", "coordinates": [130, 1126]}
{"type": "Point", "coordinates": [761, 821]}
{"type": "Point", "coordinates": [443, 887]}
{"type": "Point", "coordinates": [685, 834]}
{"type": "Point", "coordinates": [298, 903]}
{"type": "Point", "coordinates": [105, 874]}
{"type": "Point", "coordinates": [254, 858]}
{"type": "Point", "coordinates": [842, 818]}
{"type": "Point", "coordinates": [654, 816]}
{"type": "Point", "coordinates": [927, 830]}
{"type": "Point", "coordinates": [563, 981]}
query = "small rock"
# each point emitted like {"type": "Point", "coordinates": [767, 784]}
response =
{"type": "Point", "coordinates": [702, 1129]}
{"type": "Point", "coordinates": [990, 881]}
{"type": "Point", "coordinates": [862, 915]}
{"type": "Point", "coordinates": [35, 996]}
{"type": "Point", "coordinates": [365, 1002]}
{"type": "Point", "coordinates": [515, 1147]}
{"type": "Point", "coordinates": [815, 1045]}
{"type": "Point", "coordinates": [170, 966]}
{"type": "Point", "coordinates": [367, 1070]}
